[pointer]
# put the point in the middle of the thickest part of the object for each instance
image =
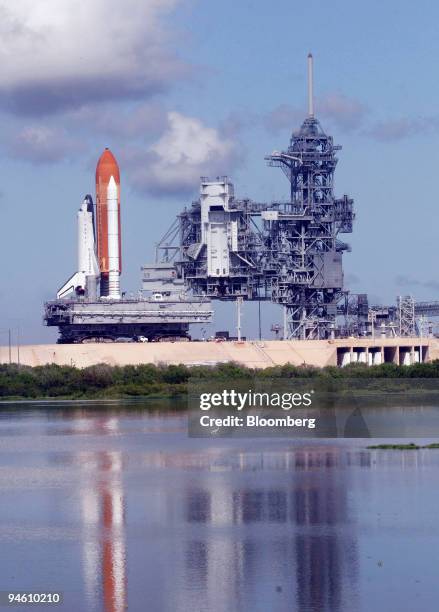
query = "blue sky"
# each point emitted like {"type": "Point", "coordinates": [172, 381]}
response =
{"type": "Point", "coordinates": [183, 88]}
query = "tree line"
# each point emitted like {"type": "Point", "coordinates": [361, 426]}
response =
{"type": "Point", "coordinates": [105, 381]}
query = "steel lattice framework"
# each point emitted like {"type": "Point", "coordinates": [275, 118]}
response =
{"type": "Point", "coordinates": [305, 251]}
{"type": "Point", "coordinates": [406, 315]}
{"type": "Point", "coordinates": [245, 277]}
{"type": "Point", "coordinates": [287, 252]}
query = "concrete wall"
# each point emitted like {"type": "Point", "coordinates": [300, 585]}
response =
{"type": "Point", "coordinates": [252, 354]}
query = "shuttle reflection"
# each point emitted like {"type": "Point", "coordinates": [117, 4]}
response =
{"type": "Point", "coordinates": [103, 517]}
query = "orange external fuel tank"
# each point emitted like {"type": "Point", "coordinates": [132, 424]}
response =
{"type": "Point", "coordinates": [108, 224]}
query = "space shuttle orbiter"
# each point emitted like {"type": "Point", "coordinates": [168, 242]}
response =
{"type": "Point", "coordinates": [88, 269]}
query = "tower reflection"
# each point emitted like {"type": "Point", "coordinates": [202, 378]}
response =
{"type": "Point", "coordinates": [224, 529]}
{"type": "Point", "coordinates": [278, 514]}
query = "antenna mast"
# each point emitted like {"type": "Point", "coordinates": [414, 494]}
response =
{"type": "Point", "coordinates": [310, 86]}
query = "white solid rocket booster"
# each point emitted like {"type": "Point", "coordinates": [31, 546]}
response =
{"type": "Point", "coordinates": [113, 241]}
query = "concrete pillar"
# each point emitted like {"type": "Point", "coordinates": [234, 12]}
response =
{"type": "Point", "coordinates": [406, 359]}
{"type": "Point", "coordinates": [346, 358]}
{"type": "Point", "coordinates": [362, 356]}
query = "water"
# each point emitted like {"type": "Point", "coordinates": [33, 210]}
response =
{"type": "Point", "coordinates": [118, 509]}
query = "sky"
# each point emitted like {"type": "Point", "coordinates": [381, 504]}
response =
{"type": "Point", "coordinates": [180, 89]}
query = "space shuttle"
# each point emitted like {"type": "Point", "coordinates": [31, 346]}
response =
{"type": "Point", "coordinates": [99, 238]}
{"type": "Point", "coordinates": [86, 278]}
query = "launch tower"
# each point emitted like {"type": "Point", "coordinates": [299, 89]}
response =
{"type": "Point", "coordinates": [304, 253]}
{"type": "Point", "coordinates": [287, 252]}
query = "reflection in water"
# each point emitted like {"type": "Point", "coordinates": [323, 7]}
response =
{"type": "Point", "coordinates": [314, 555]}
{"type": "Point", "coordinates": [256, 530]}
{"type": "Point", "coordinates": [103, 513]}
{"type": "Point", "coordinates": [113, 554]}
{"type": "Point", "coordinates": [266, 530]}
{"type": "Point", "coordinates": [221, 526]}
{"type": "Point", "coordinates": [315, 560]}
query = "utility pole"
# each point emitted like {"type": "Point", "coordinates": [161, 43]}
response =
{"type": "Point", "coordinates": [18, 346]}
{"type": "Point", "coordinates": [238, 306]}
{"type": "Point", "coordinates": [259, 313]}
{"type": "Point", "coordinates": [10, 346]}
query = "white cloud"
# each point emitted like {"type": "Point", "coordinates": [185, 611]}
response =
{"type": "Point", "coordinates": [393, 130]}
{"type": "Point", "coordinates": [145, 120]}
{"type": "Point", "coordinates": [406, 281]}
{"type": "Point", "coordinates": [187, 140]}
{"type": "Point", "coordinates": [283, 117]}
{"type": "Point", "coordinates": [160, 152]}
{"type": "Point", "coordinates": [187, 150]}
{"type": "Point", "coordinates": [345, 113]}
{"type": "Point", "coordinates": [40, 144]}
{"type": "Point", "coordinates": [57, 54]}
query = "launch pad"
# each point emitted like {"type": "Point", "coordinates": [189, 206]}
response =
{"type": "Point", "coordinates": [288, 252]}
{"type": "Point", "coordinates": [225, 248]}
